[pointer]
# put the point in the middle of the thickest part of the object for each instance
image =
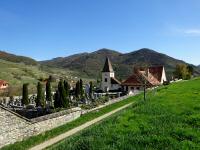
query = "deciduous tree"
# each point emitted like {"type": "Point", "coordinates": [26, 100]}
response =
{"type": "Point", "coordinates": [183, 71]}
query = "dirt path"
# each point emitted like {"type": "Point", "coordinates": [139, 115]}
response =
{"type": "Point", "coordinates": [75, 130]}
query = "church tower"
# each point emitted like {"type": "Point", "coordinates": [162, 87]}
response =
{"type": "Point", "coordinates": [107, 75]}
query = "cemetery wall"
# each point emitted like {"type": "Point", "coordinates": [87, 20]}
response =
{"type": "Point", "coordinates": [15, 128]}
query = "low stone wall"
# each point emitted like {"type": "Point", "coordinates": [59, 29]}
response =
{"type": "Point", "coordinates": [107, 103]}
{"type": "Point", "coordinates": [14, 127]}
{"type": "Point", "coordinates": [55, 115]}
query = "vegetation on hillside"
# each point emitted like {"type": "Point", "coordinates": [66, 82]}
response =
{"type": "Point", "coordinates": [169, 119]}
{"type": "Point", "coordinates": [183, 71]}
{"type": "Point", "coordinates": [17, 59]}
{"type": "Point", "coordinates": [16, 74]}
{"type": "Point", "coordinates": [91, 64]}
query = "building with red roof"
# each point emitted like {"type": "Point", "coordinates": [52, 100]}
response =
{"type": "Point", "coordinates": [152, 76]}
{"type": "Point", "coordinates": [3, 84]}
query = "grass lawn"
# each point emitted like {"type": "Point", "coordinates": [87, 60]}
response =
{"type": "Point", "coordinates": [169, 119]}
{"type": "Point", "coordinates": [32, 141]}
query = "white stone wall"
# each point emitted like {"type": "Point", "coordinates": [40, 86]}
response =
{"type": "Point", "coordinates": [107, 84]}
{"type": "Point", "coordinates": [132, 90]}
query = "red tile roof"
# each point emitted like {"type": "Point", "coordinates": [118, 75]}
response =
{"type": "Point", "coordinates": [156, 72]}
{"type": "Point", "coordinates": [153, 78]}
{"type": "Point", "coordinates": [133, 80]}
{"type": "Point", "coordinates": [3, 82]}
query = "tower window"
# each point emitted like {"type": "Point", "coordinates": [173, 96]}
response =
{"type": "Point", "coordinates": [106, 79]}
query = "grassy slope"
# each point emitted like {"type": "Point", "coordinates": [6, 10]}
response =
{"type": "Point", "coordinates": [18, 73]}
{"type": "Point", "coordinates": [170, 119]}
{"type": "Point", "coordinates": [32, 141]}
{"type": "Point", "coordinates": [15, 73]}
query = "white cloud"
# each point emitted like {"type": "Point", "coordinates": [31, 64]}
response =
{"type": "Point", "coordinates": [192, 31]}
{"type": "Point", "coordinates": [175, 30]}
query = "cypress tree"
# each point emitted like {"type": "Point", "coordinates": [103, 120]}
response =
{"type": "Point", "coordinates": [77, 90]}
{"type": "Point", "coordinates": [57, 103]}
{"type": "Point", "coordinates": [67, 88]}
{"type": "Point", "coordinates": [40, 95]}
{"type": "Point", "coordinates": [48, 92]}
{"type": "Point", "coordinates": [25, 99]}
{"type": "Point", "coordinates": [81, 88]}
{"type": "Point", "coordinates": [91, 89]}
{"type": "Point", "coordinates": [64, 101]}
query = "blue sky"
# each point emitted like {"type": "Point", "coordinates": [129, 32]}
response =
{"type": "Point", "coordinates": [45, 29]}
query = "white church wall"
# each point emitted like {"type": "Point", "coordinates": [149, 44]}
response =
{"type": "Point", "coordinates": [163, 78]}
{"type": "Point", "coordinates": [132, 90]}
{"type": "Point", "coordinates": [106, 81]}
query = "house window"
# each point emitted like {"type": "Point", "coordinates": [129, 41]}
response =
{"type": "Point", "coordinates": [106, 79]}
{"type": "Point", "coordinates": [138, 88]}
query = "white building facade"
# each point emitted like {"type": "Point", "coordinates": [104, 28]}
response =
{"type": "Point", "coordinates": [109, 82]}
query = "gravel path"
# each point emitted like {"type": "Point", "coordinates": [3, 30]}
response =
{"type": "Point", "coordinates": [75, 130]}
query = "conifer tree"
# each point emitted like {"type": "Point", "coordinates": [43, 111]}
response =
{"type": "Point", "coordinates": [48, 92]}
{"type": "Point", "coordinates": [40, 96]}
{"type": "Point", "coordinates": [77, 90]}
{"type": "Point", "coordinates": [67, 88]}
{"type": "Point", "coordinates": [25, 99]}
{"type": "Point", "coordinates": [57, 103]}
{"type": "Point", "coordinates": [81, 88]}
{"type": "Point", "coordinates": [64, 101]}
{"type": "Point", "coordinates": [91, 89]}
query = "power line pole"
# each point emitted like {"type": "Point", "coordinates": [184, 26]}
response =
{"type": "Point", "coordinates": [145, 81]}
{"type": "Point", "coordinates": [144, 90]}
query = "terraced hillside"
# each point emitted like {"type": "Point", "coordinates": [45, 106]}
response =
{"type": "Point", "coordinates": [169, 119]}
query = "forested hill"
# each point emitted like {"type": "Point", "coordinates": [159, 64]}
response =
{"type": "Point", "coordinates": [91, 64]}
{"type": "Point", "coordinates": [17, 59]}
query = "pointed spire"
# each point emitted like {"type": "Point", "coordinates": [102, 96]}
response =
{"type": "Point", "coordinates": [107, 67]}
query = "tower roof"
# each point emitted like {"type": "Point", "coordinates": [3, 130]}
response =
{"type": "Point", "coordinates": [107, 66]}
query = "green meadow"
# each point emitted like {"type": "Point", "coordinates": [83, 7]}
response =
{"type": "Point", "coordinates": [168, 119]}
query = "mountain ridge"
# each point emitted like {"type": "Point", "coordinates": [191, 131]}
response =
{"type": "Point", "coordinates": [91, 64]}
{"type": "Point", "coordinates": [17, 59]}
